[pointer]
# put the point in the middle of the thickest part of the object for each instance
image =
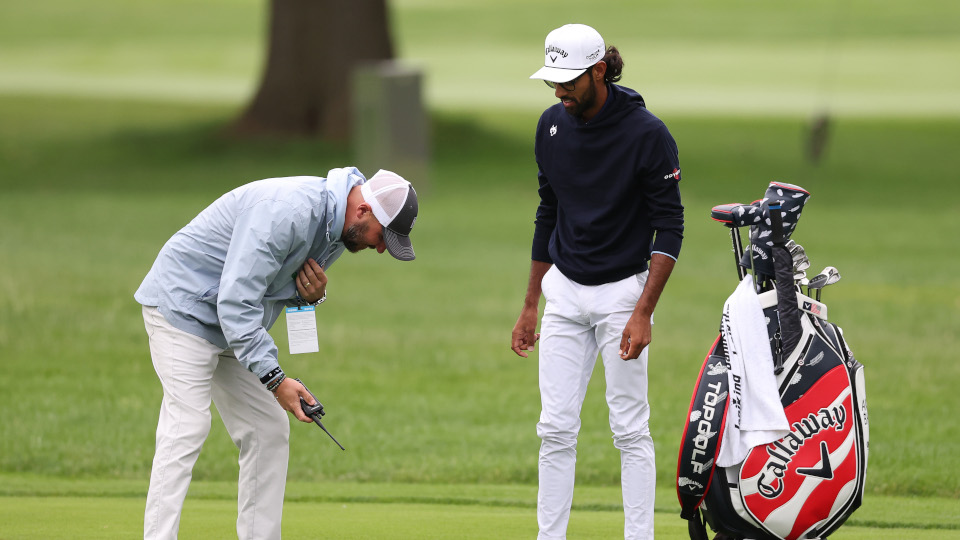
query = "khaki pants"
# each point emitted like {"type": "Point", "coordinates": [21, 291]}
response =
{"type": "Point", "coordinates": [193, 372]}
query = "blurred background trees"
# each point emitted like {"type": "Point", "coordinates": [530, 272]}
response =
{"type": "Point", "coordinates": [312, 48]}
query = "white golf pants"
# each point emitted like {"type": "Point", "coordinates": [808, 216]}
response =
{"type": "Point", "coordinates": [193, 371]}
{"type": "Point", "coordinates": [578, 322]}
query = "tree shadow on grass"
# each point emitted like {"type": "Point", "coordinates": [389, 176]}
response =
{"type": "Point", "coordinates": [134, 148]}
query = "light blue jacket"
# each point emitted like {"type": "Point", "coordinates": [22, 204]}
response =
{"type": "Point", "coordinates": [228, 274]}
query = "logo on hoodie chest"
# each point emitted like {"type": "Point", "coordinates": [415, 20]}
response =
{"type": "Point", "coordinates": [553, 130]}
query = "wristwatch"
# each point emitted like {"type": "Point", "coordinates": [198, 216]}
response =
{"type": "Point", "coordinates": [303, 302]}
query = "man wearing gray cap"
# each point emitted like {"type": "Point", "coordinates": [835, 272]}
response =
{"type": "Point", "coordinates": [215, 289]}
{"type": "Point", "coordinates": [607, 233]}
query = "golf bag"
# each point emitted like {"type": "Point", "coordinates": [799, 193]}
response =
{"type": "Point", "coordinates": [804, 484]}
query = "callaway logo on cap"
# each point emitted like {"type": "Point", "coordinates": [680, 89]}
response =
{"type": "Point", "coordinates": [568, 52]}
{"type": "Point", "coordinates": [394, 204]}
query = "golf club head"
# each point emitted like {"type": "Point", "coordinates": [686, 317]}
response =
{"type": "Point", "coordinates": [833, 275]}
{"type": "Point", "coordinates": [793, 247]}
{"type": "Point", "coordinates": [800, 261]}
{"type": "Point", "coordinates": [818, 281]}
{"type": "Point", "coordinates": [823, 279]}
{"type": "Point", "coordinates": [791, 199]}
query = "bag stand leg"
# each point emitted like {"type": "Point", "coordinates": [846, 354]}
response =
{"type": "Point", "coordinates": [697, 527]}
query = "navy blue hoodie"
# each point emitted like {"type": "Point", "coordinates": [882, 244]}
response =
{"type": "Point", "coordinates": [609, 190]}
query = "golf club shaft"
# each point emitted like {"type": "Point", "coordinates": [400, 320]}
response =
{"type": "Point", "coordinates": [737, 252]}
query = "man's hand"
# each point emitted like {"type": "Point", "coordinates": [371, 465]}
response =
{"type": "Point", "coordinates": [311, 281]}
{"type": "Point", "coordinates": [524, 336]}
{"type": "Point", "coordinates": [288, 395]}
{"type": "Point", "coordinates": [636, 336]}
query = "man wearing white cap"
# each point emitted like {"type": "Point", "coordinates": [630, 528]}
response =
{"type": "Point", "coordinates": [607, 234]}
{"type": "Point", "coordinates": [215, 289]}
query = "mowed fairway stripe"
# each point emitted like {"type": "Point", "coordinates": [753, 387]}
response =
{"type": "Point", "coordinates": [886, 78]}
{"type": "Point", "coordinates": [709, 97]}
{"type": "Point", "coordinates": [52, 518]}
{"type": "Point", "coordinates": [170, 88]}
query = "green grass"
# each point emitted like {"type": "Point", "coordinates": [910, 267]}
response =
{"type": "Point", "coordinates": [111, 138]}
{"type": "Point", "coordinates": [856, 57]}
{"type": "Point", "coordinates": [103, 510]}
{"type": "Point", "coordinates": [415, 370]}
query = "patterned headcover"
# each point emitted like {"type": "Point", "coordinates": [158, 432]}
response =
{"type": "Point", "coordinates": [792, 199]}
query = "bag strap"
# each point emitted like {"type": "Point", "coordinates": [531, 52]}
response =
{"type": "Point", "coordinates": [703, 431]}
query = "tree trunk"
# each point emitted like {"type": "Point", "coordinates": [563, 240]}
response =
{"type": "Point", "coordinates": [314, 45]}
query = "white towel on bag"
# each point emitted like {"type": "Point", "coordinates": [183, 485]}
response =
{"type": "Point", "coordinates": [754, 415]}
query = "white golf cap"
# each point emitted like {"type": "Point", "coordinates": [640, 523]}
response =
{"type": "Point", "coordinates": [394, 204]}
{"type": "Point", "coordinates": [569, 51]}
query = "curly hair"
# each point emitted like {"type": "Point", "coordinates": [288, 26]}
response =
{"type": "Point", "coordinates": [614, 65]}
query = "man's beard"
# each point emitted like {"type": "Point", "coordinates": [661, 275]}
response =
{"type": "Point", "coordinates": [588, 100]}
{"type": "Point", "coordinates": [354, 235]}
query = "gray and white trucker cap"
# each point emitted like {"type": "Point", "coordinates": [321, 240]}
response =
{"type": "Point", "coordinates": [395, 206]}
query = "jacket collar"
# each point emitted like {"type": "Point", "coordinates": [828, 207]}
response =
{"type": "Point", "coordinates": [339, 183]}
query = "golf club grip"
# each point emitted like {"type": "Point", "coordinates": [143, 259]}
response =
{"type": "Point", "coordinates": [776, 223]}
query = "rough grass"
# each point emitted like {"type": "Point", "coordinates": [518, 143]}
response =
{"type": "Point", "coordinates": [111, 117]}
{"type": "Point", "coordinates": [415, 370]}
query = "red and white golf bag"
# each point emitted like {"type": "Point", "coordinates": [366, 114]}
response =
{"type": "Point", "coordinates": [807, 483]}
